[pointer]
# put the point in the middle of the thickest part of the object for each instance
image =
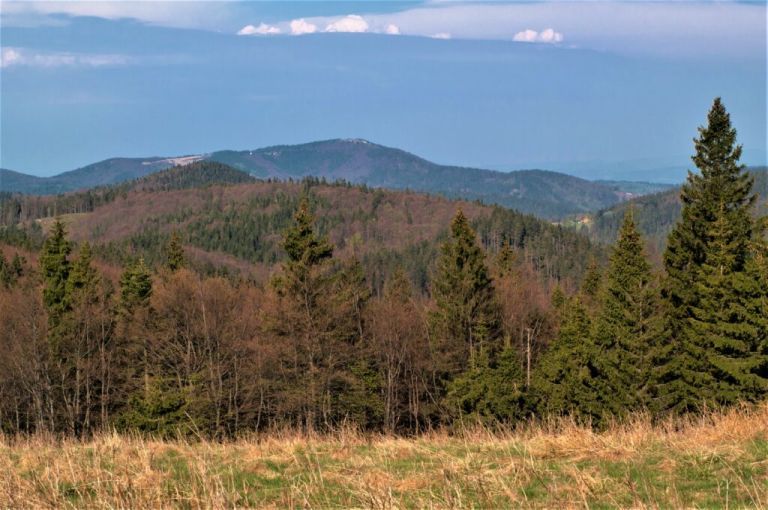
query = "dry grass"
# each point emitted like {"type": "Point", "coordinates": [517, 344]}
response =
{"type": "Point", "coordinates": [720, 460]}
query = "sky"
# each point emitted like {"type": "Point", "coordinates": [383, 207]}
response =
{"type": "Point", "coordinates": [609, 89]}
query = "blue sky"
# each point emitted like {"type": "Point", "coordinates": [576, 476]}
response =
{"type": "Point", "coordinates": [597, 89]}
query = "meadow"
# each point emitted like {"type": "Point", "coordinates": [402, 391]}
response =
{"type": "Point", "coordinates": [719, 460]}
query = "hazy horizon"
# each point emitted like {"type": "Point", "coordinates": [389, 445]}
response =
{"type": "Point", "coordinates": [599, 90]}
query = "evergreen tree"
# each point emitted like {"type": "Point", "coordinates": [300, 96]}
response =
{"type": "Point", "coordinates": [566, 379]}
{"type": "Point", "coordinates": [174, 253]}
{"type": "Point", "coordinates": [135, 286]}
{"type": "Point", "coordinates": [308, 321]}
{"type": "Point", "coordinates": [55, 268]}
{"type": "Point", "coordinates": [716, 223]}
{"type": "Point", "coordinates": [590, 284]}
{"type": "Point", "coordinates": [730, 321]}
{"type": "Point", "coordinates": [628, 323]}
{"type": "Point", "coordinates": [466, 320]}
{"type": "Point", "coordinates": [83, 278]}
{"type": "Point", "coordinates": [506, 259]}
{"type": "Point", "coordinates": [490, 391]}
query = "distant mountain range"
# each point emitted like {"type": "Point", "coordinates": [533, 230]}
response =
{"type": "Point", "coordinates": [546, 194]}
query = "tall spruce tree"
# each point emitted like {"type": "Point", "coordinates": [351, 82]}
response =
{"type": "Point", "coordinates": [628, 323]}
{"type": "Point", "coordinates": [466, 320]}
{"type": "Point", "coordinates": [721, 192]}
{"type": "Point", "coordinates": [307, 323]}
{"type": "Point", "coordinates": [55, 267]}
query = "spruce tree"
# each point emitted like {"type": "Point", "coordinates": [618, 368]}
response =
{"type": "Point", "coordinates": [135, 287]}
{"type": "Point", "coordinates": [174, 253]}
{"type": "Point", "coordinates": [716, 223]}
{"type": "Point", "coordinates": [306, 319]}
{"type": "Point", "coordinates": [565, 380]}
{"type": "Point", "coordinates": [55, 266]}
{"type": "Point", "coordinates": [730, 321]}
{"type": "Point", "coordinates": [467, 318]}
{"type": "Point", "coordinates": [628, 324]}
{"type": "Point", "coordinates": [722, 180]}
{"type": "Point", "coordinates": [83, 278]}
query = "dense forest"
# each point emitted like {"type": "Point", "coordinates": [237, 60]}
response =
{"type": "Point", "coordinates": [478, 321]}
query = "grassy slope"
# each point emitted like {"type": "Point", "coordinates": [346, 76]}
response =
{"type": "Point", "coordinates": [719, 461]}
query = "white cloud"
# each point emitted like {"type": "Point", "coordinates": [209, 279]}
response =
{"type": "Point", "coordinates": [301, 26]}
{"type": "Point", "coordinates": [547, 35]}
{"type": "Point", "coordinates": [351, 23]}
{"type": "Point", "coordinates": [441, 35]}
{"type": "Point", "coordinates": [262, 29]}
{"type": "Point", "coordinates": [9, 57]}
{"type": "Point", "coordinates": [526, 36]}
{"type": "Point", "coordinates": [392, 29]}
{"type": "Point", "coordinates": [19, 57]}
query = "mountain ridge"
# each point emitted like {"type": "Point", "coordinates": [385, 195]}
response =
{"type": "Point", "coordinates": [545, 193]}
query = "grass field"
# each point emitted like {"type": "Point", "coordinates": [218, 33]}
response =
{"type": "Point", "coordinates": [720, 460]}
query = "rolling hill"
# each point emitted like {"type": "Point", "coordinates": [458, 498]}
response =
{"type": "Point", "coordinates": [229, 220]}
{"type": "Point", "coordinates": [546, 194]}
{"type": "Point", "coordinates": [656, 214]}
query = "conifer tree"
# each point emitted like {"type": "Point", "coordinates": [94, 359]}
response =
{"type": "Point", "coordinates": [82, 280]}
{"type": "Point", "coordinates": [628, 325]}
{"type": "Point", "coordinates": [135, 286]}
{"type": "Point", "coordinates": [490, 391]}
{"type": "Point", "coordinates": [729, 321]}
{"type": "Point", "coordinates": [174, 253]}
{"type": "Point", "coordinates": [565, 381]}
{"type": "Point", "coordinates": [307, 321]}
{"type": "Point", "coordinates": [506, 259]}
{"type": "Point", "coordinates": [590, 285]}
{"type": "Point", "coordinates": [55, 268]}
{"type": "Point", "coordinates": [466, 319]}
{"type": "Point", "coordinates": [721, 193]}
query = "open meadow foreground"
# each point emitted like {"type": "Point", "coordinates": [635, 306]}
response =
{"type": "Point", "coordinates": [711, 461]}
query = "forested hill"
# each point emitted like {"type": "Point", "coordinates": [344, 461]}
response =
{"type": "Point", "coordinates": [232, 222]}
{"type": "Point", "coordinates": [546, 194]}
{"type": "Point", "coordinates": [656, 214]}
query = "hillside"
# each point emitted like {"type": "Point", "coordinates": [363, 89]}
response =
{"type": "Point", "coordinates": [656, 214]}
{"type": "Point", "coordinates": [229, 220]}
{"type": "Point", "coordinates": [543, 193]}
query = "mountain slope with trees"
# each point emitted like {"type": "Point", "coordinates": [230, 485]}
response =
{"type": "Point", "coordinates": [392, 311]}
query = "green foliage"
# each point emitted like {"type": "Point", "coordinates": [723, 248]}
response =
{"type": "Point", "coordinates": [174, 253]}
{"type": "Point", "coordinates": [490, 392]}
{"type": "Point", "coordinates": [730, 320]}
{"type": "Point", "coordinates": [566, 379]}
{"type": "Point", "coordinates": [713, 337]}
{"type": "Point", "coordinates": [55, 267]}
{"type": "Point", "coordinates": [628, 326]}
{"type": "Point", "coordinates": [590, 285]}
{"type": "Point", "coordinates": [159, 410]}
{"type": "Point", "coordinates": [10, 272]}
{"type": "Point", "coordinates": [135, 286]}
{"type": "Point", "coordinates": [466, 318]}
